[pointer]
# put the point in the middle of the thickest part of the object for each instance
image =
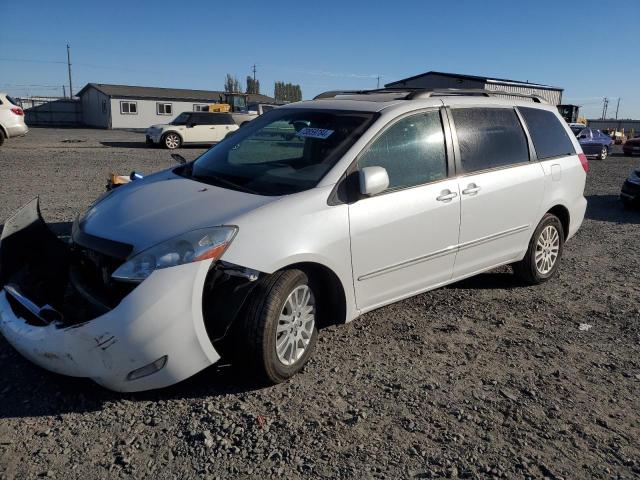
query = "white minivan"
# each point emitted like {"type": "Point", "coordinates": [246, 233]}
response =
{"type": "Point", "coordinates": [312, 214]}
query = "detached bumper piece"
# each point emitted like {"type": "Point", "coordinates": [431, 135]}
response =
{"type": "Point", "coordinates": [60, 309]}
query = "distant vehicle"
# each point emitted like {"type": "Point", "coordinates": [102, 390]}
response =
{"type": "Point", "coordinates": [192, 128]}
{"type": "Point", "coordinates": [260, 108]}
{"type": "Point", "coordinates": [631, 146]}
{"type": "Point", "coordinates": [244, 253]}
{"type": "Point", "coordinates": [630, 194]}
{"type": "Point", "coordinates": [11, 118]}
{"type": "Point", "coordinates": [594, 143]}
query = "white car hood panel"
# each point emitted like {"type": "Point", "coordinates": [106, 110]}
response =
{"type": "Point", "coordinates": [159, 207]}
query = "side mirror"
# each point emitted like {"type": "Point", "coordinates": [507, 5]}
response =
{"type": "Point", "coordinates": [373, 180]}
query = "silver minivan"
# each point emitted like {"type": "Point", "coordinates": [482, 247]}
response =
{"type": "Point", "coordinates": [313, 214]}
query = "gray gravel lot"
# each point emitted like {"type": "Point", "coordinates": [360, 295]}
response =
{"type": "Point", "coordinates": [486, 378]}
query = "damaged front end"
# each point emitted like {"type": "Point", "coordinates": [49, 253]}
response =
{"type": "Point", "coordinates": [49, 281]}
{"type": "Point", "coordinates": [61, 308]}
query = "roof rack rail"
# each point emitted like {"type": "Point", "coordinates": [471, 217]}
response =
{"type": "Point", "coordinates": [418, 93]}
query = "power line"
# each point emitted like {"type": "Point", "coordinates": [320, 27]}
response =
{"type": "Point", "coordinates": [32, 60]}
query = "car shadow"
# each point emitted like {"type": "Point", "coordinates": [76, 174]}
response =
{"type": "Point", "coordinates": [500, 279]}
{"type": "Point", "coordinates": [609, 208]}
{"type": "Point", "coordinates": [30, 391]}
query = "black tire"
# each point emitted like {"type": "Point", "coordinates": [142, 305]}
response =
{"type": "Point", "coordinates": [171, 141]}
{"type": "Point", "coordinates": [628, 154]}
{"type": "Point", "coordinates": [1, 137]}
{"type": "Point", "coordinates": [526, 268]}
{"type": "Point", "coordinates": [604, 153]}
{"type": "Point", "coordinates": [258, 332]}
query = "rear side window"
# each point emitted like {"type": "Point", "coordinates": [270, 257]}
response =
{"type": "Point", "coordinates": [412, 151]}
{"type": "Point", "coordinates": [489, 138]}
{"type": "Point", "coordinates": [216, 119]}
{"type": "Point", "coordinates": [549, 136]}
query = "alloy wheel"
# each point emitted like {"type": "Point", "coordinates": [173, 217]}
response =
{"type": "Point", "coordinates": [172, 141]}
{"type": "Point", "coordinates": [547, 249]}
{"type": "Point", "coordinates": [604, 153]}
{"type": "Point", "coordinates": [295, 325]}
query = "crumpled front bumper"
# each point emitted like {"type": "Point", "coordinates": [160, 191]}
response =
{"type": "Point", "coordinates": [160, 317]}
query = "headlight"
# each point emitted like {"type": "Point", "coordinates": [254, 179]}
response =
{"type": "Point", "coordinates": [203, 244]}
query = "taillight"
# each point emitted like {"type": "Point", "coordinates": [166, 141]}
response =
{"type": "Point", "coordinates": [584, 162]}
{"type": "Point", "coordinates": [17, 111]}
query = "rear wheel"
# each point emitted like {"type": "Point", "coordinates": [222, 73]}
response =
{"type": "Point", "coordinates": [280, 326]}
{"type": "Point", "coordinates": [171, 141]}
{"type": "Point", "coordinates": [1, 137]}
{"type": "Point", "coordinates": [603, 153]}
{"type": "Point", "coordinates": [543, 255]}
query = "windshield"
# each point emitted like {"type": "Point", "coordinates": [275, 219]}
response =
{"type": "Point", "coordinates": [284, 151]}
{"type": "Point", "coordinates": [181, 119]}
{"type": "Point", "coordinates": [577, 130]}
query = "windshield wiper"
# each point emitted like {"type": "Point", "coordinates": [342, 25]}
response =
{"type": "Point", "coordinates": [224, 181]}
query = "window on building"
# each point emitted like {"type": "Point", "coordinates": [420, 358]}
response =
{"type": "Point", "coordinates": [164, 109]}
{"type": "Point", "coordinates": [129, 108]}
{"type": "Point", "coordinates": [489, 138]}
{"type": "Point", "coordinates": [104, 106]}
{"type": "Point", "coordinates": [412, 151]}
{"type": "Point", "coordinates": [550, 139]}
{"type": "Point", "coordinates": [200, 107]}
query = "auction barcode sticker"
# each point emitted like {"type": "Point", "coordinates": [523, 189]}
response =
{"type": "Point", "coordinates": [310, 132]}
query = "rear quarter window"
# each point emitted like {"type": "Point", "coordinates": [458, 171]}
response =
{"type": "Point", "coordinates": [548, 134]}
{"type": "Point", "coordinates": [489, 138]}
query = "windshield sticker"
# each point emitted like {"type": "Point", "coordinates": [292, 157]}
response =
{"type": "Point", "coordinates": [310, 132]}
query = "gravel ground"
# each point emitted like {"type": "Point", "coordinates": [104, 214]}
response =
{"type": "Point", "coordinates": [484, 379]}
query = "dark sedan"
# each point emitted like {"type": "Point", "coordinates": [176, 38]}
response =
{"type": "Point", "coordinates": [631, 146]}
{"type": "Point", "coordinates": [630, 193]}
{"type": "Point", "coordinates": [594, 143]}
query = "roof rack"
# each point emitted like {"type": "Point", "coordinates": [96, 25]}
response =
{"type": "Point", "coordinates": [419, 93]}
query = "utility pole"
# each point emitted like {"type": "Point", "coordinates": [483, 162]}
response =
{"type": "Point", "coordinates": [605, 103]}
{"type": "Point", "coordinates": [617, 108]}
{"type": "Point", "coordinates": [69, 67]}
{"type": "Point", "coordinates": [254, 73]}
{"type": "Point", "coordinates": [378, 78]}
{"type": "Point", "coordinates": [64, 92]}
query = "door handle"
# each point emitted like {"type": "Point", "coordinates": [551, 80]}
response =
{"type": "Point", "coordinates": [471, 189]}
{"type": "Point", "coordinates": [446, 196]}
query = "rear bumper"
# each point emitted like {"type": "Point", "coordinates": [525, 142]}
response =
{"type": "Point", "coordinates": [576, 216]}
{"type": "Point", "coordinates": [161, 317]}
{"type": "Point", "coordinates": [17, 130]}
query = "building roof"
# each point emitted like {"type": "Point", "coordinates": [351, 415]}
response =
{"type": "Point", "coordinates": [132, 91]}
{"type": "Point", "coordinates": [499, 81]}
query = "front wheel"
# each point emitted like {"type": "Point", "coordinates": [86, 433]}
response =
{"type": "Point", "coordinates": [171, 141]}
{"type": "Point", "coordinates": [543, 255]}
{"type": "Point", "coordinates": [603, 153]}
{"type": "Point", "coordinates": [280, 326]}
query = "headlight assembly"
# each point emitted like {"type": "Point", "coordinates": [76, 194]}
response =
{"type": "Point", "coordinates": [194, 246]}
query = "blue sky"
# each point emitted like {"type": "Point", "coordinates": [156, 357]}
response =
{"type": "Point", "coordinates": [590, 48]}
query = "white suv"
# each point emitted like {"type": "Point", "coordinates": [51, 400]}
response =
{"type": "Point", "coordinates": [192, 128]}
{"type": "Point", "coordinates": [312, 214]}
{"type": "Point", "coordinates": [11, 118]}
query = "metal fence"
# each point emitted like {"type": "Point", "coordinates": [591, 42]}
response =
{"type": "Point", "coordinates": [51, 111]}
{"type": "Point", "coordinates": [627, 127]}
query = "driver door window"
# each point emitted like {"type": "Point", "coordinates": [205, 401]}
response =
{"type": "Point", "coordinates": [412, 151]}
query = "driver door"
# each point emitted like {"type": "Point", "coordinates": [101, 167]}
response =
{"type": "Point", "coordinates": [404, 239]}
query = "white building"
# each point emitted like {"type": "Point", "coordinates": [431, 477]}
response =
{"type": "Point", "coordinates": [433, 80]}
{"type": "Point", "coordinates": [124, 106]}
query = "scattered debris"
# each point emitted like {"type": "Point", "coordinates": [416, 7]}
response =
{"type": "Point", "coordinates": [584, 327]}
